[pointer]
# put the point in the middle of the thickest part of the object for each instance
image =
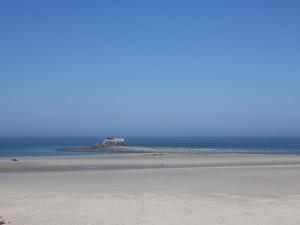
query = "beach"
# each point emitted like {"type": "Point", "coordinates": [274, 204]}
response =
{"type": "Point", "coordinates": [154, 189]}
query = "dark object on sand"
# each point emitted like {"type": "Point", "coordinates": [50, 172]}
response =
{"type": "Point", "coordinates": [1, 220]}
{"type": "Point", "coordinates": [15, 160]}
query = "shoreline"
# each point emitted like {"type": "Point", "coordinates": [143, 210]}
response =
{"type": "Point", "coordinates": [163, 150]}
{"type": "Point", "coordinates": [136, 161]}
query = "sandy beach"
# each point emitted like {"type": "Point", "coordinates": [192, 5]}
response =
{"type": "Point", "coordinates": [151, 189]}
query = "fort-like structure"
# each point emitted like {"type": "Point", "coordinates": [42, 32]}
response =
{"type": "Point", "coordinates": [113, 142]}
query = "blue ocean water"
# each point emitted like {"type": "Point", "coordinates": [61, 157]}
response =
{"type": "Point", "coordinates": [13, 147]}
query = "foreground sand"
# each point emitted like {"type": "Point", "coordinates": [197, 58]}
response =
{"type": "Point", "coordinates": [152, 189]}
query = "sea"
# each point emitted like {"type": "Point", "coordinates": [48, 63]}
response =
{"type": "Point", "coordinates": [17, 147]}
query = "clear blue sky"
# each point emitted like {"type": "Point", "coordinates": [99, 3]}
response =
{"type": "Point", "coordinates": [149, 68]}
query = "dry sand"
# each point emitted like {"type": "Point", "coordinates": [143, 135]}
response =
{"type": "Point", "coordinates": [152, 189]}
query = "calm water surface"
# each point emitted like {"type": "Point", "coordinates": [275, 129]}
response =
{"type": "Point", "coordinates": [12, 147]}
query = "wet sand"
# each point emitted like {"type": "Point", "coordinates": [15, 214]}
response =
{"type": "Point", "coordinates": [151, 189]}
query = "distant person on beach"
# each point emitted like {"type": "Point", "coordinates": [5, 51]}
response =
{"type": "Point", "coordinates": [1, 220]}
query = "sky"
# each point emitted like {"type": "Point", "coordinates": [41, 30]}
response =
{"type": "Point", "coordinates": [149, 68]}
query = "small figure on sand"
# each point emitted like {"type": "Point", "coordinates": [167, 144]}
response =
{"type": "Point", "coordinates": [14, 160]}
{"type": "Point", "coordinates": [1, 220]}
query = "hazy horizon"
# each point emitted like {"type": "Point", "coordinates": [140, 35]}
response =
{"type": "Point", "coordinates": [149, 69]}
{"type": "Point", "coordinates": [101, 137]}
